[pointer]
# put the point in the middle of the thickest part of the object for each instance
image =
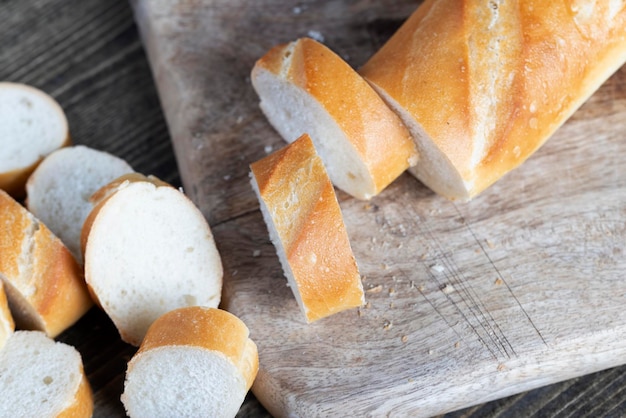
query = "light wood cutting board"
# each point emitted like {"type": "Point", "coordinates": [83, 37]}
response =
{"type": "Point", "coordinates": [466, 302]}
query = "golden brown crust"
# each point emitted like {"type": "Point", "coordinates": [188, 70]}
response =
{"type": "Point", "coordinates": [43, 272]}
{"type": "Point", "coordinates": [82, 406]}
{"type": "Point", "coordinates": [489, 82]}
{"type": "Point", "coordinates": [294, 186]}
{"type": "Point", "coordinates": [210, 328]}
{"type": "Point", "coordinates": [14, 181]}
{"type": "Point", "coordinates": [376, 133]}
{"type": "Point", "coordinates": [7, 325]}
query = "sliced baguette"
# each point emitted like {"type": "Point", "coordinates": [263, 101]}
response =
{"type": "Point", "coordinates": [305, 225]}
{"type": "Point", "coordinates": [7, 325]}
{"type": "Point", "coordinates": [59, 190]}
{"type": "Point", "coordinates": [193, 362]}
{"type": "Point", "coordinates": [42, 378]}
{"type": "Point", "coordinates": [483, 84]}
{"type": "Point", "coordinates": [32, 125]}
{"type": "Point", "coordinates": [43, 282]}
{"type": "Point", "coordinates": [305, 87]}
{"type": "Point", "coordinates": [148, 250]}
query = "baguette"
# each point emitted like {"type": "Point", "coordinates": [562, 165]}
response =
{"type": "Point", "coordinates": [7, 325]}
{"type": "Point", "coordinates": [42, 378]}
{"type": "Point", "coordinates": [305, 87]}
{"type": "Point", "coordinates": [59, 190]}
{"type": "Point", "coordinates": [148, 250]}
{"type": "Point", "coordinates": [32, 125]}
{"type": "Point", "coordinates": [483, 84]}
{"type": "Point", "coordinates": [44, 283]}
{"type": "Point", "coordinates": [193, 362]}
{"type": "Point", "coordinates": [305, 225]}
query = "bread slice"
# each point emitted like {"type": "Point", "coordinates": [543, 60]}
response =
{"type": "Point", "coordinates": [7, 325]}
{"type": "Point", "coordinates": [148, 250]}
{"type": "Point", "coordinates": [32, 125]}
{"type": "Point", "coordinates": [42, 378]}
{"type": "Point", "coordinates": [305, 87]}
{"type": "Point", "coordinates": [59, 190]}
{"type": "Point", "coordinates": [305, 225]}
{"type": "Point", "coordinates": [482, 85]}
{"type": "Point", "coordinates": [43, 282]}
{"type": "Point", "coordinates": [194, 361]}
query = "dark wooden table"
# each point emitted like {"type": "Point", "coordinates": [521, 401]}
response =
{"type": "Point", "coordinates": [88, 55]}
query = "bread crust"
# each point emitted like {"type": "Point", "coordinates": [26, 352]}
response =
{"type": "Point", "coordinates": [376, 134]}
{"type": "Point", "coordinates": [7, 325]}
{"type": "Point", "coordinates": [485, 84]}
{"type": "Point", "coordinates": [14, 181]}
{"type": "Point", "coordinates": [294, 187]}
{"type": "Point", "coordinates": [209, 328]}
{"type": "Point", "coordinates": [82, 406]}
{"type": "Point", "coordinates": [44, 283]}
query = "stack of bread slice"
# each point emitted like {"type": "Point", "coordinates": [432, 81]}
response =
{"type": "Point", "coordinates": [91, 230]}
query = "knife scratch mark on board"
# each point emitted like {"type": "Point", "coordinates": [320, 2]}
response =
{"type": "Point", "coordinates": [499, 274]}
{"type": "Point", "coordinates": [484, 316]}
{"type": "Point", "coordinates": [470, 302]}
{"type": "Point", "coordinates": [459, 293]}
{"type": "Point", "coordinates": [467, 320]}
{"type": "Point", "coordinates": [432, 305]}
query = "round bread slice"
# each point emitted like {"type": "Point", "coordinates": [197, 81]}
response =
{"type": "Point", "coordinates": [43, 282]}
{"type": "Point", "coordinates": [59, 190]}
{"type": "Point", "coordinates": [305, 87]}
{"type": "Point", "coordinates": [42, 378]}
{"type": "Point", "coordinates": [148, 250]}
{"type": "Point", "coordinates": [193, 362]}
{"type": "Point", "coordinates": [32, 125]}
{"type": "Point", "coordinates": [7, 325]}
{"type": "Point", "coordinates": [305, 225]}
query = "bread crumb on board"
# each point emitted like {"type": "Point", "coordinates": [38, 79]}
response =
{"type": "Point", "coordinates": [446, 288]}
{"type": "Point", "coordinates": [438, 268]}
{"type": "Point", "coordinates": [375, 289]}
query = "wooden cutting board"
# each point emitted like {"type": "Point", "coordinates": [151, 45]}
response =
{"type": "Point", "coordinates": [466, 302]}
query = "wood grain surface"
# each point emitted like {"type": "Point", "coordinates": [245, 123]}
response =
{"type": "Point", "coordinates": [88, 55]}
